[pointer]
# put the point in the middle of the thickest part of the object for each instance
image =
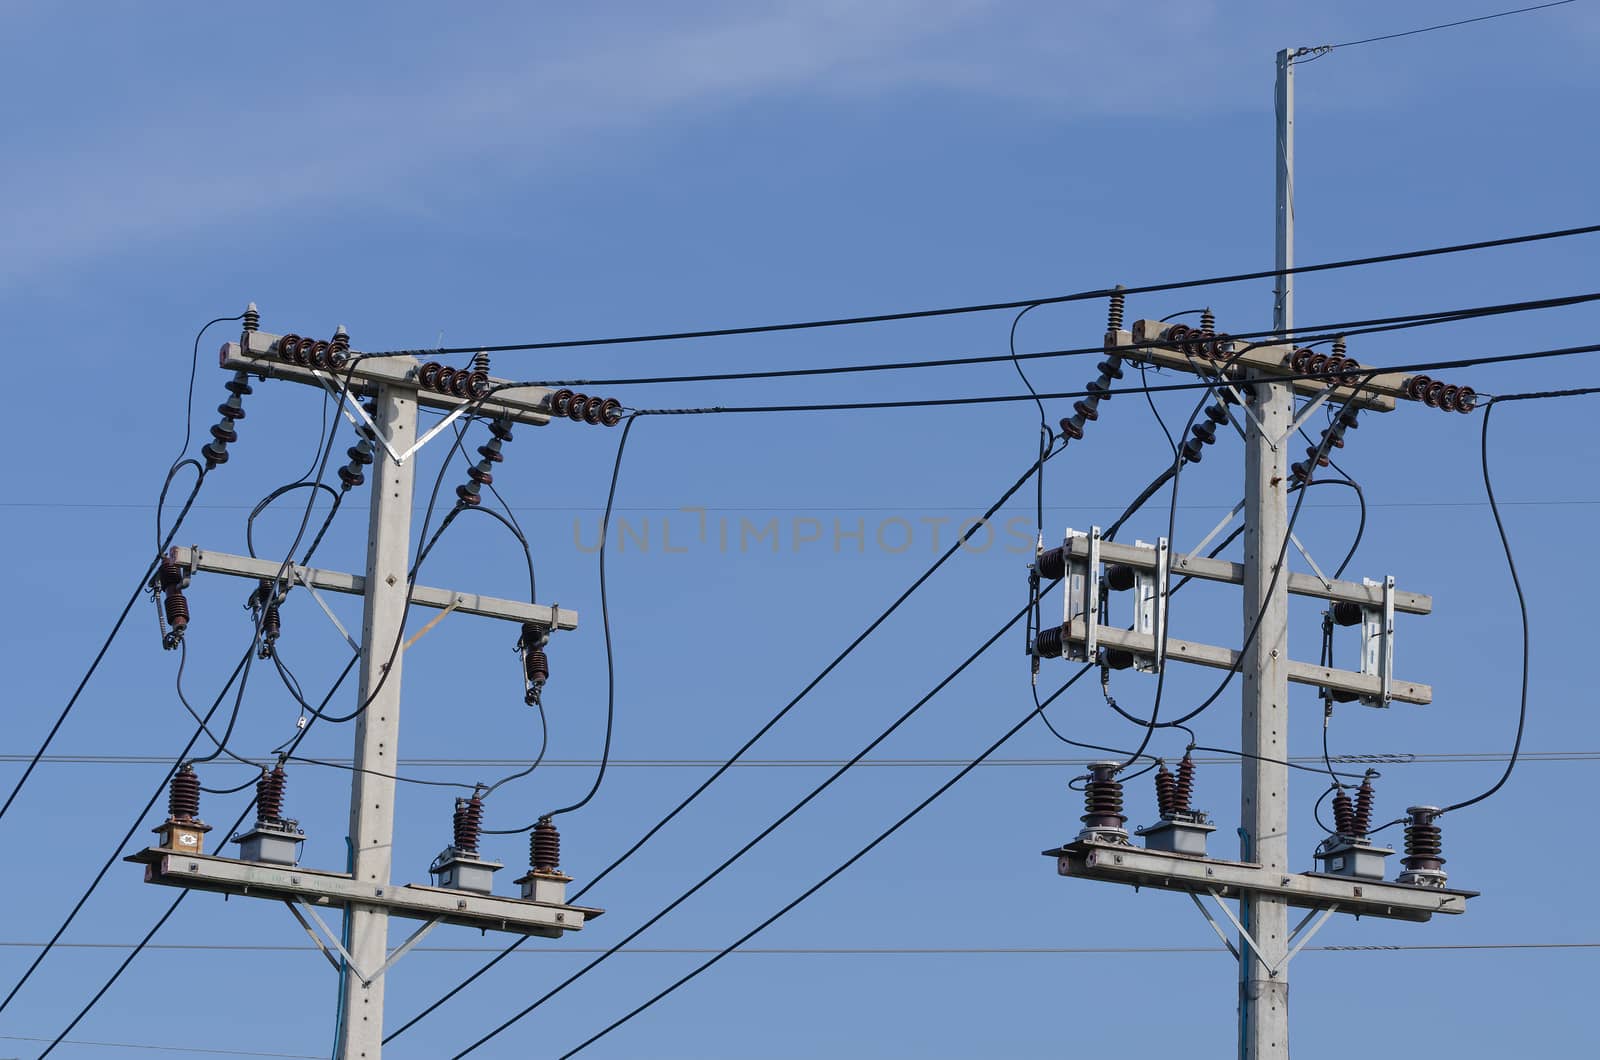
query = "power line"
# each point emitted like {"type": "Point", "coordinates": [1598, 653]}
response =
{"type": "Point", "coordinates": [743, 850]}
{"type": "Point", "coordinates": [1442, 25]}
{"type": "Point", "coordinates": [802, 951]}
{"type": "Point", "coordinates": [1301, 335]}
{"type": "Point", "coordinates": [116, 627]}
{"type": "Point", "coordinates": [728, 763]}
{"type": "Point", "coordinates": [195, 1050]}
{"type": "Point", "coordinates": [1018, 304]}
{"type": "Point", "coordinates": [1516, 584]}
{"type": "Point", "coordinates": [1372, 758]}
{"type": "Point", "coordinates": [1036, 710]}
{"type": "Point", "coordinates": [860, 406]}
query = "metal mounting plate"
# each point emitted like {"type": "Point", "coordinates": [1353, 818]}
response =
{"type": "Point", "coordinates": [1305, 890]}
{"type": "Point", "coordinates": [204, 872]}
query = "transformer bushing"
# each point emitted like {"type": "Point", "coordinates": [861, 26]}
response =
{"type": "Point", "coordinates": [1182, 829]}
{"type": "Point", "coordinates": [458, 866]}
{"type": "Point", "coordinates": [275, 839]}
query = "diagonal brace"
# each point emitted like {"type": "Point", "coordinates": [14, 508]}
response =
{"type": "Point", "coordinates": [1255, 950]}
{"type": "Point", "coordinates": [349, 961]}
{"type": "Point", "coordinates": [1226, 941]}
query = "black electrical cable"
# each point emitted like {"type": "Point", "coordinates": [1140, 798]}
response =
{"type": "Point", "coordinates": [139, 590]}
{"type": "Point", "coordinates": [814, 888]}
{"type": "Point", "coordinates": [605, 625]}
{"type": "Point", "coordinates": [183, 661]}
{"type": "Point", "coordinates": [544, 745]}
{"type": "Point", "coordinates": [1047, 437]}
{"type": "Point", "coordinates": [1522, 608]}
{"type": "Point", "coordinates": [1220, 376]}
{"type": "Point", "coordinates": [240, 675]}
{"type": "Point", "coordinates": [255, 513]}
{"type": "Point", "coordinates": [1442, 25]}
{"type": "Point", "coordinates": [172, 908]}
{"type": "Point", "coordinates": [1277, 572]}
{"type": "Point", "coordinates": [1285, 377]}
{"type": "Point", "coordinates": [749, 743]}
{"type": "Point", "coordinates": [243, 668]}
{"type": "Point", "coordinates": [1298, 270]}
{"type": "Point", "coordinates": [138, 820]}
{"type": "Point", "coordinates": [768, 830]}
{"type": "Point", "coordinates": [1311, 335]}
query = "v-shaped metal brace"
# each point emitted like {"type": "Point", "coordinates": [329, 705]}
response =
{"type": "Point", "coordinates": [365, 422]}
{"type": "Point", "coordinates": [1300, 931]}
{"type": "Point", "coordinates": [345, 960]}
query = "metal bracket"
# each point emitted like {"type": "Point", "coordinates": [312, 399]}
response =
{"type": "Point", "coordinates": [344, 396]}
{"type": "Point", "coordinates": [1273, 970]}
{"type": "Point", "coordinates": [1321, 577]}
{"type": "Point", "coordinates": [1226, 941]}
{"type": "Point", "coordinates": [1305, 936]}
{"type": "Point", "coordinates": [348, 961]}
{"type": "Point", "coordinates": [434, 621]}
{"type": "Point", "coordinates": [1310, 407]}
{"type": "Point", "coordinates": [1150, 590]}
{"type": "Point", "coordinates": [1082, 595]}
{"type": "Point", "coordinates": [1377, 643]}
{"type": "Point", "coordinates": [1233, 514]}
{"type": "Point", "coordinates": [299, 576]}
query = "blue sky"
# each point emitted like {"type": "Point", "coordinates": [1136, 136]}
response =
{"type": "Point", "coordinates": [510, 173]}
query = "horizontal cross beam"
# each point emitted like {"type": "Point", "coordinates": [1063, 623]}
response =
{"type": "Point", "coordinates": [1378, 394]}
{"type": "Point", "coordinates": [1139, 867]}
{"type": "Point", "coordinates": [1364, 685]}
{"type": "Point", "coordinates": [1221, 570]}
{"type": "Point", "coordinates": [258, 355]}
{"type": "Point", "coordinates": [196, 559]}
{"type": "Point", "coordinates": [486, 912]}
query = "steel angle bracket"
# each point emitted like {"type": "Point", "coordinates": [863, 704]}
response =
{"type": "Point", "coordinates": [1377, 643]}
{"type": "Point", "coordinates": [1081, 597]}
{"type": "Point", "coordinates": [1150, 588]}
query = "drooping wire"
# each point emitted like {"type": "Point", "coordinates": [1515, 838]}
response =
{"type": "Point", "coordinates": [117, 974]}
{"type": "Point", "coordinates": [766, 727]}
{"type": "Point", "coordinates": [814, 888]}
{"type": "Point", "coordinates": [605, 623]}
{"type": "Point", "coordinates": [1443, 25]}
{"type": "Point", "coordinates": [1522, 607]}
{"type": "Point", "coordinates": [1308, 335]}
{"type": "Point", "coordinates": [769, 829]}
{"type": "Point", "coordinates": [1285, 377]}
{"type": "Point", "coordinates": [138, 821]}
{"type": "Point", "coordinates": [1091, 295]}
{"type": "Point", "coordinates": [116, 627]}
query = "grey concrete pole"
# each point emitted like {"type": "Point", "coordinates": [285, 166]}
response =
{"type": "Point", "coordinates": [377, 742]}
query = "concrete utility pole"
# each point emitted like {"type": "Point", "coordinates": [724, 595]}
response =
{"type": "Point", "coordinates": [368, 894]}
{"type": "Point", "coordinates": [378, 727]}
{"type": "Point", "coordinates": [1264, 780]}
{"type": "Point", "coordinates": [1261, 382]}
